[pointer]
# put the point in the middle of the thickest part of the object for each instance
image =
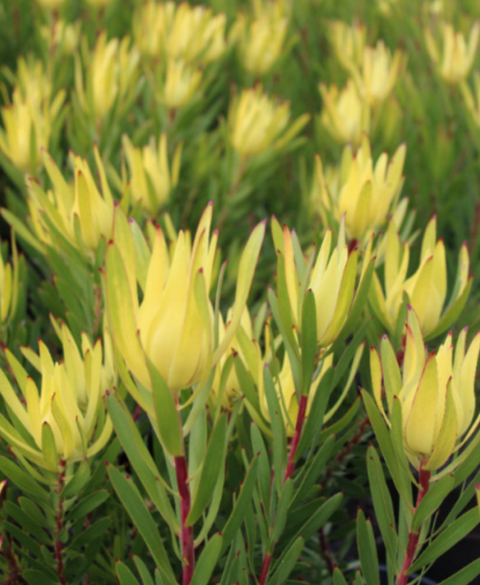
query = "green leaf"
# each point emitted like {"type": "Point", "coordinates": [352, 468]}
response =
{"type": "Point", "coordinates": [23, 481]}
{"type": "Point", "coordinates": [34, 577]}
{"type": "Point", "coordinates": [264, 468]}
{"type": "Point", "coordinates": [87, 505]}
{"type": "Point", "coordinates": [207, 561]}
{"type": "Point", "coordinates": [94, 532]}
{"type": "Point", "coordinates": [26, 522]}
{"type": "Point", "coordinates": [135, 506]}
{"type": "Point", "coordinates": [279, 442]}
{"type": "Point", "coordinates": [212, 465]}
{"type": "Point", "coordinates": [382, 502]}
{"type": "Point", "coordinates": [141, 459]}
{"type": "Point", "coordinates": [26, 541]}
{"type": "Point", "coordinates": [238, 513]}
{"type": "Point", "coordinates": [341, 424]}
{"type": "Point", "coordinates": [432, 500]}
{"type": "Point", "coordinates": [367, 550]}
{"type": "Point", "coordinates": [49, 448]}
{"type": "Point", "coordinates": [447, 539]}
{"type": "Point", "coordinates": [125, 576]}
{"type": "Point", "coordinates": [78, 481]}
{"type": "Point", "coordinates": [167, 419]}
{"type": "Point", "coordinates": [320, 517]}
{"type": "Point", "coordinates": [281, 512]}
{"type": "Point", "coordinates": [309, 340]}
{"type": "Point", "coordinates": [401, 481]}
{"type": "Point", "coordinates": [312, 471]}
{"type": "Point", "coordinates": [338, 578]}
{"type": "Point", "coordinates": [465, 576]}
{"type": "Point", "coordinates": [287, 562]}
{"type": "Point", "coordinates": [143, 571]}
{"type": "Point", "coordinates": [33, 512]}
{"type": "Point", "coordinates": [314, 420]}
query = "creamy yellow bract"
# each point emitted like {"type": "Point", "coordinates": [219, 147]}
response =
{"type": "Point", "coordinates": [426, 289]}
{"type": "Point", "coordinates": [364, 193]}
{"type": "Point", "coordinates": [66, 418]}
{"type": "Point", "coordinates": [173, 326]}
{"type": "Point", "coordinates": [436, 392]}
{"type": "Point", "coordinates": [454, 62]}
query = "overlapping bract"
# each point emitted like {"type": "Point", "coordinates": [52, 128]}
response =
{"type": "Point", "coordinates": [435, 390]}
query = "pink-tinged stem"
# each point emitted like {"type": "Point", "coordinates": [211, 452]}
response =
{"type": "Point", "coordinates": [424, 478]}
{"type": "Point", "coordinates": [188, 551]}
{"type": "Point", "coordinates": [58, 546]}
{"type": "Point", "coordinates": [302, 409]}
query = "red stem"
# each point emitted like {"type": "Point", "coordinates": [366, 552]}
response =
{"type": "Point", "coordinates": [58, 546]}
{"type": "Point", "coordinates": [187, 531]}
{"type": "Point", "coordinates": [302, 409]}
{"type": "Point", "coordinates": [424, 478]}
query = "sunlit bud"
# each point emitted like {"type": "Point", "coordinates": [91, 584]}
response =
{"type": "Point", "coordinates": [436, 392]}
{"type": "Point", "coordinates": [82, 214]}
{"type": "Point", "coordinates": [345, 115]}
{"type": "Point", "coordinates": [61, 35]}
{"type": "Point", "coordinates": [332, 278]}
{"type": "Point", "coordinates": [175, 319]}
{"type": "Point", "coordinates": [151, 180]}
{"type": "Point", "coordinates": [380, 72]}
{"type": "Point", "coordinates": [180, 84]}
{"type": "Point", "coordinates": [426, 289]}
{"type": "Point", "coordinates": [455, 62]}
{"type": "Point", "coordinates": [111, 76]}
{"type": "Point", "coordinates": [257, 122]}
{"type": "Point", "coordinates": [26, 131]}
{"type": "Point", "coordinates": [348, 42]}
{"type": "Point", "coordinates": [364, 193]}
{"type": "Point", "coordinates": [66, 419]}
{"type": "Point", "coordinates": [261, 39]}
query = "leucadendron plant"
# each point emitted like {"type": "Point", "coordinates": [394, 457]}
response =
{"type": "Point", "coordinates": [168, 417]}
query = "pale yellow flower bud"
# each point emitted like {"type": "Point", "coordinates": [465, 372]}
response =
{"type": "Point", "coordinates": [111, 76]}
{"type": "Point", "coordinates": [175, 318]}
{"type": "Point", "coordinates": [348, 42]}
{"type": "Point", "coordinates": [257, 122]}
{"type": "Point", "coordinates": [260, 41]}
{"type": "Point", "coordinates": [62, 418]}
{"type": "Point", "coordinates": [436, 392]}
{"type": "Point", "coordinates": [345, 114]}
{"type": "Point", "coordinates": [9, 282]}
{"type": "Point", "coordinates": [455, 63]}
{"type": "Point", "coordinates": [63, 35]}
{"type": "Point", "coordinates": [380, 72]}
{"type": "Point", "coordinates": [79, 210]}
{"type": "Point", "coordinates": [26, 132]}
{"type": "Point", "coordinates": [364, 193]}
{"type": "Point", "coordinates": [180, 84]}
{"type": "Point", "coordinates": [426, 289]}
{"type": "Point", "coordinates": [151, 179]}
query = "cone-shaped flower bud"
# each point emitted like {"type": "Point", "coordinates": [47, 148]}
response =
{"type": "Point", "coordinates": [27, 129]}
{"type": "Point", "coordinates": [364, 193]}
{"type": "Point", "coordinates": [81, 214]}
{"type": "Point", "coordinates": [345, 114]}
{"type": "Point", "coordinates": [456, 60]}
{"type": "Point", "coordinates": [436, 393]}
{"type": "Point", "coordinates": [66, 419]}
{"type": "Point", "coordinates": [426, 289]}
{"type": "Point", "coordinates": [380, 72]}
{"type": "Point", "coordinates": [179, 84]}
{"type": "Point", "coordinates": [173, 326]}
{"type": "Point", "coordinates": [256, 122]}
{"type": "Point", "coordinates": [261, 40]}
{"type": "Point", "coordinates": [331, 276]}
{"type": "Point", "coordinates": [184, 32]}
{"type": "Point", "coordinates": [110, 78]}
{"type": "Point", "coordinates": [151, 179]}
{"type": "Point", "coordinates": [348, 42]}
